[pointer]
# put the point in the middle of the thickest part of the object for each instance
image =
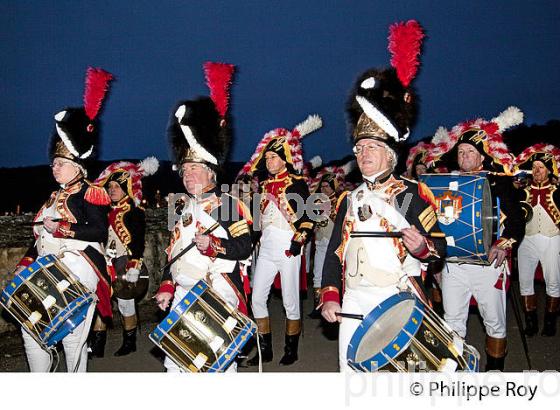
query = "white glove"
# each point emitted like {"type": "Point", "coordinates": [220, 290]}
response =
{"type": "Point", "coordinates": [132, 275]}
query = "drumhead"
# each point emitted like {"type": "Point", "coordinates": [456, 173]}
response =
{"type": "Point", "coordinates": [384, 329]}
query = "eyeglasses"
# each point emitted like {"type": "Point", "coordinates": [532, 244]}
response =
{"type": "Point", "coordinates": [360, 149]}
{"type": "Point", "coordinates": [59, 164]}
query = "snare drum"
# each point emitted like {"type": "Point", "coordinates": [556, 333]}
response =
{"type": "Point", "coordinates": [47, 300]}
{"type": "Point", "coordinates": [202, 333]}
{"type": "Point", "coordinates": [403, 334]}
{"type": "Point", "coordinates": [466, 214]}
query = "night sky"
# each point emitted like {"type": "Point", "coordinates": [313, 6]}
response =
{"type": "Point", "coordinates": [293, 58]}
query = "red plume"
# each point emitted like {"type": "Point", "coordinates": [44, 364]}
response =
{"type": "Point", "coordinates": [97, 84]}
{"type": "Point", "coordinates": [218, 79]}
{"type": "Point", "coordinates": [405, 40]}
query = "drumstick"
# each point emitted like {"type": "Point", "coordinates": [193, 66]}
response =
{"type": "Point", "coordinates": [41, 222]}
{"type": "Point", "coordinates": [350, 315]}
{"type": "Point", "coordinates": [395, 234]}
{"type": "Point", "coordinates": [188, 248]}
{"type": "Point", "coordinates": [123, 277]}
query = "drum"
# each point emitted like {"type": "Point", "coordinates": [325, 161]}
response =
{"type": "Point", "coordinates": [202, 333]}
{"type": "Point", "coordinates": [466, 214]}
{"type": "Point", "coordinates": [403, 334]}
{"type": "Point", "coordinates": [47, 300]}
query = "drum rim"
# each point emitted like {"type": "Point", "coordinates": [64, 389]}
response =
{"type": "Point", "coordinates": [479, 252]}
{"type": "Point", "coordinates": [57, 329]}
{"type": "Point", "coordinates": [401, 340]}
{"type": "Point", "coordinates": [54, 334]}
{"type": "Point", "coordinates": [163, 328]}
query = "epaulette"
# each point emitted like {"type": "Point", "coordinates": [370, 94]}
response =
{"type": "Point", "coordinates": [242, 208]}
{"type": "Point", "coordinates": [96, 195]}
{"type": "Point", "coordinates": [426, 194]}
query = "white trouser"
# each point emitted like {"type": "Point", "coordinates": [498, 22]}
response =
{"type": "Point", "coordinates": [319, 260]}
{"type": "Point", "coordinates": [126, 307]}
{"type": "Point", "coordinates": [222, 288]}
{"type": "Point", "coordinates": [361, 301]}
{"type": "Point", "coordinates": [272, 259]}
{"type": "Point", "coordinates": [546, 250]}
{"type": "Point", "coordinates": [461, 281]}
{"type": "Point", "coordinates": [75, 347]}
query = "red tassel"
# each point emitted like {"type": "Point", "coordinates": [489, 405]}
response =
{"type": "Point", "coordinates": [405, 40]}
{"type": "Point", "coordinates": [97, 84]}
{"type": "Point", "coordinates": [218, 79]}
{"type": "Point", "coordinates": [97, 196]}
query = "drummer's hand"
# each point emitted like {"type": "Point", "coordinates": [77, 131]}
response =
{"type": "Point", "coordinates": [19, 269]}
{"type": "Point", "coordinates": [329, 311]}
{"type": "Point", "coordinates": [49, 225]}
{"type": "Point", "coordinates": [496, 254]}
{"type": "Point", "coordinates": [202, 241]}
{"type": "Point", "coordinates": [163, 299]}
{"type": "Point", "coordinates": [414, 241]}
{"type": "Point", "coordinates": [132, 275]}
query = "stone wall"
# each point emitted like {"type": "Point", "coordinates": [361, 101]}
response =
{"type": "Point", "coordinates": [16, 236]}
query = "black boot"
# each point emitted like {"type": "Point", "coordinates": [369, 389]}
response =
{"type": "Point", "coordinates": [97, 343]}
{"type": "Point", "coordinates": [549, 327]}
{"type": "Point", "coordinates": [290, 350]}
{"type": "Point", "coordinates": [496, 350]}
{"type": "Point", "coordinates": [550, 314]}
{"type": "Point", "coordinates": [531, 323]}
{"type": "Point", "coordinates": [265, 341]}
{"type": "Point", "coordinates": [494, 363]}
{"type": "Point", "coordinates": [129, 343]}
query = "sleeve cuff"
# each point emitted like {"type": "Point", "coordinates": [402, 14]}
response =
{"type": "Point", "coordinates": [166, 287]}
{"type": "Point", "coordinates": [134, 264]}
{"type": "Point", "coordinates": [214, 248]}
{"type": "Point", "coordinates": [429, 251]}
{"type": "Point", "coordinates": [504, 243]}
{"type": "Point", "coordinates": [64, 230]}
{"type": "Point", "coordinates": [299, 237]}
{"type": "Point", "coordinates": [329, 294]}
{"type": "Point", "coordinates": [26, 261]}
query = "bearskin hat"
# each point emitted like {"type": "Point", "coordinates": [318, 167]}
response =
{"type": "Point", "coordinates": [76, 133]}
{"type": "Point", "coordinates": [382, 105]}
{"type": "Point", "coordinates": [198, 129]}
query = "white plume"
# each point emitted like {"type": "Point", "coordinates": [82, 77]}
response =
{"type": "Point", "coordinates": [316, 162]}
{"type": "Point", "coordinates": [440, 136]}
{"type": "Point", "coordinates": [149, 165]}
{"type": "Point", "coordinates": [510, 117]}
{"type": "Point", "coordinates": [312, 123]}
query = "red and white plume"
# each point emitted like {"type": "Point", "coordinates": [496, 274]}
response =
{"type": "Point", "coordinates": [339, 172]}
{"type": "Point", "coordinates": [422, 148]}
{"type": "Point", "coordinates": [444, 140]}
{"type": "Point", "coordinates": [97, 84]}
{"type": "Point", "coordinates": [144, 168]}
{"type": "Point", "coordinates": [293, 139]}
{"type": "Point", "coordinates": [218, 78]}
{"type": "Point", "coordinates": [405, 41]}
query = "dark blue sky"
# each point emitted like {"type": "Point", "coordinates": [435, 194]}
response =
{"type": "Point", "coordinates": [293, 58]}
